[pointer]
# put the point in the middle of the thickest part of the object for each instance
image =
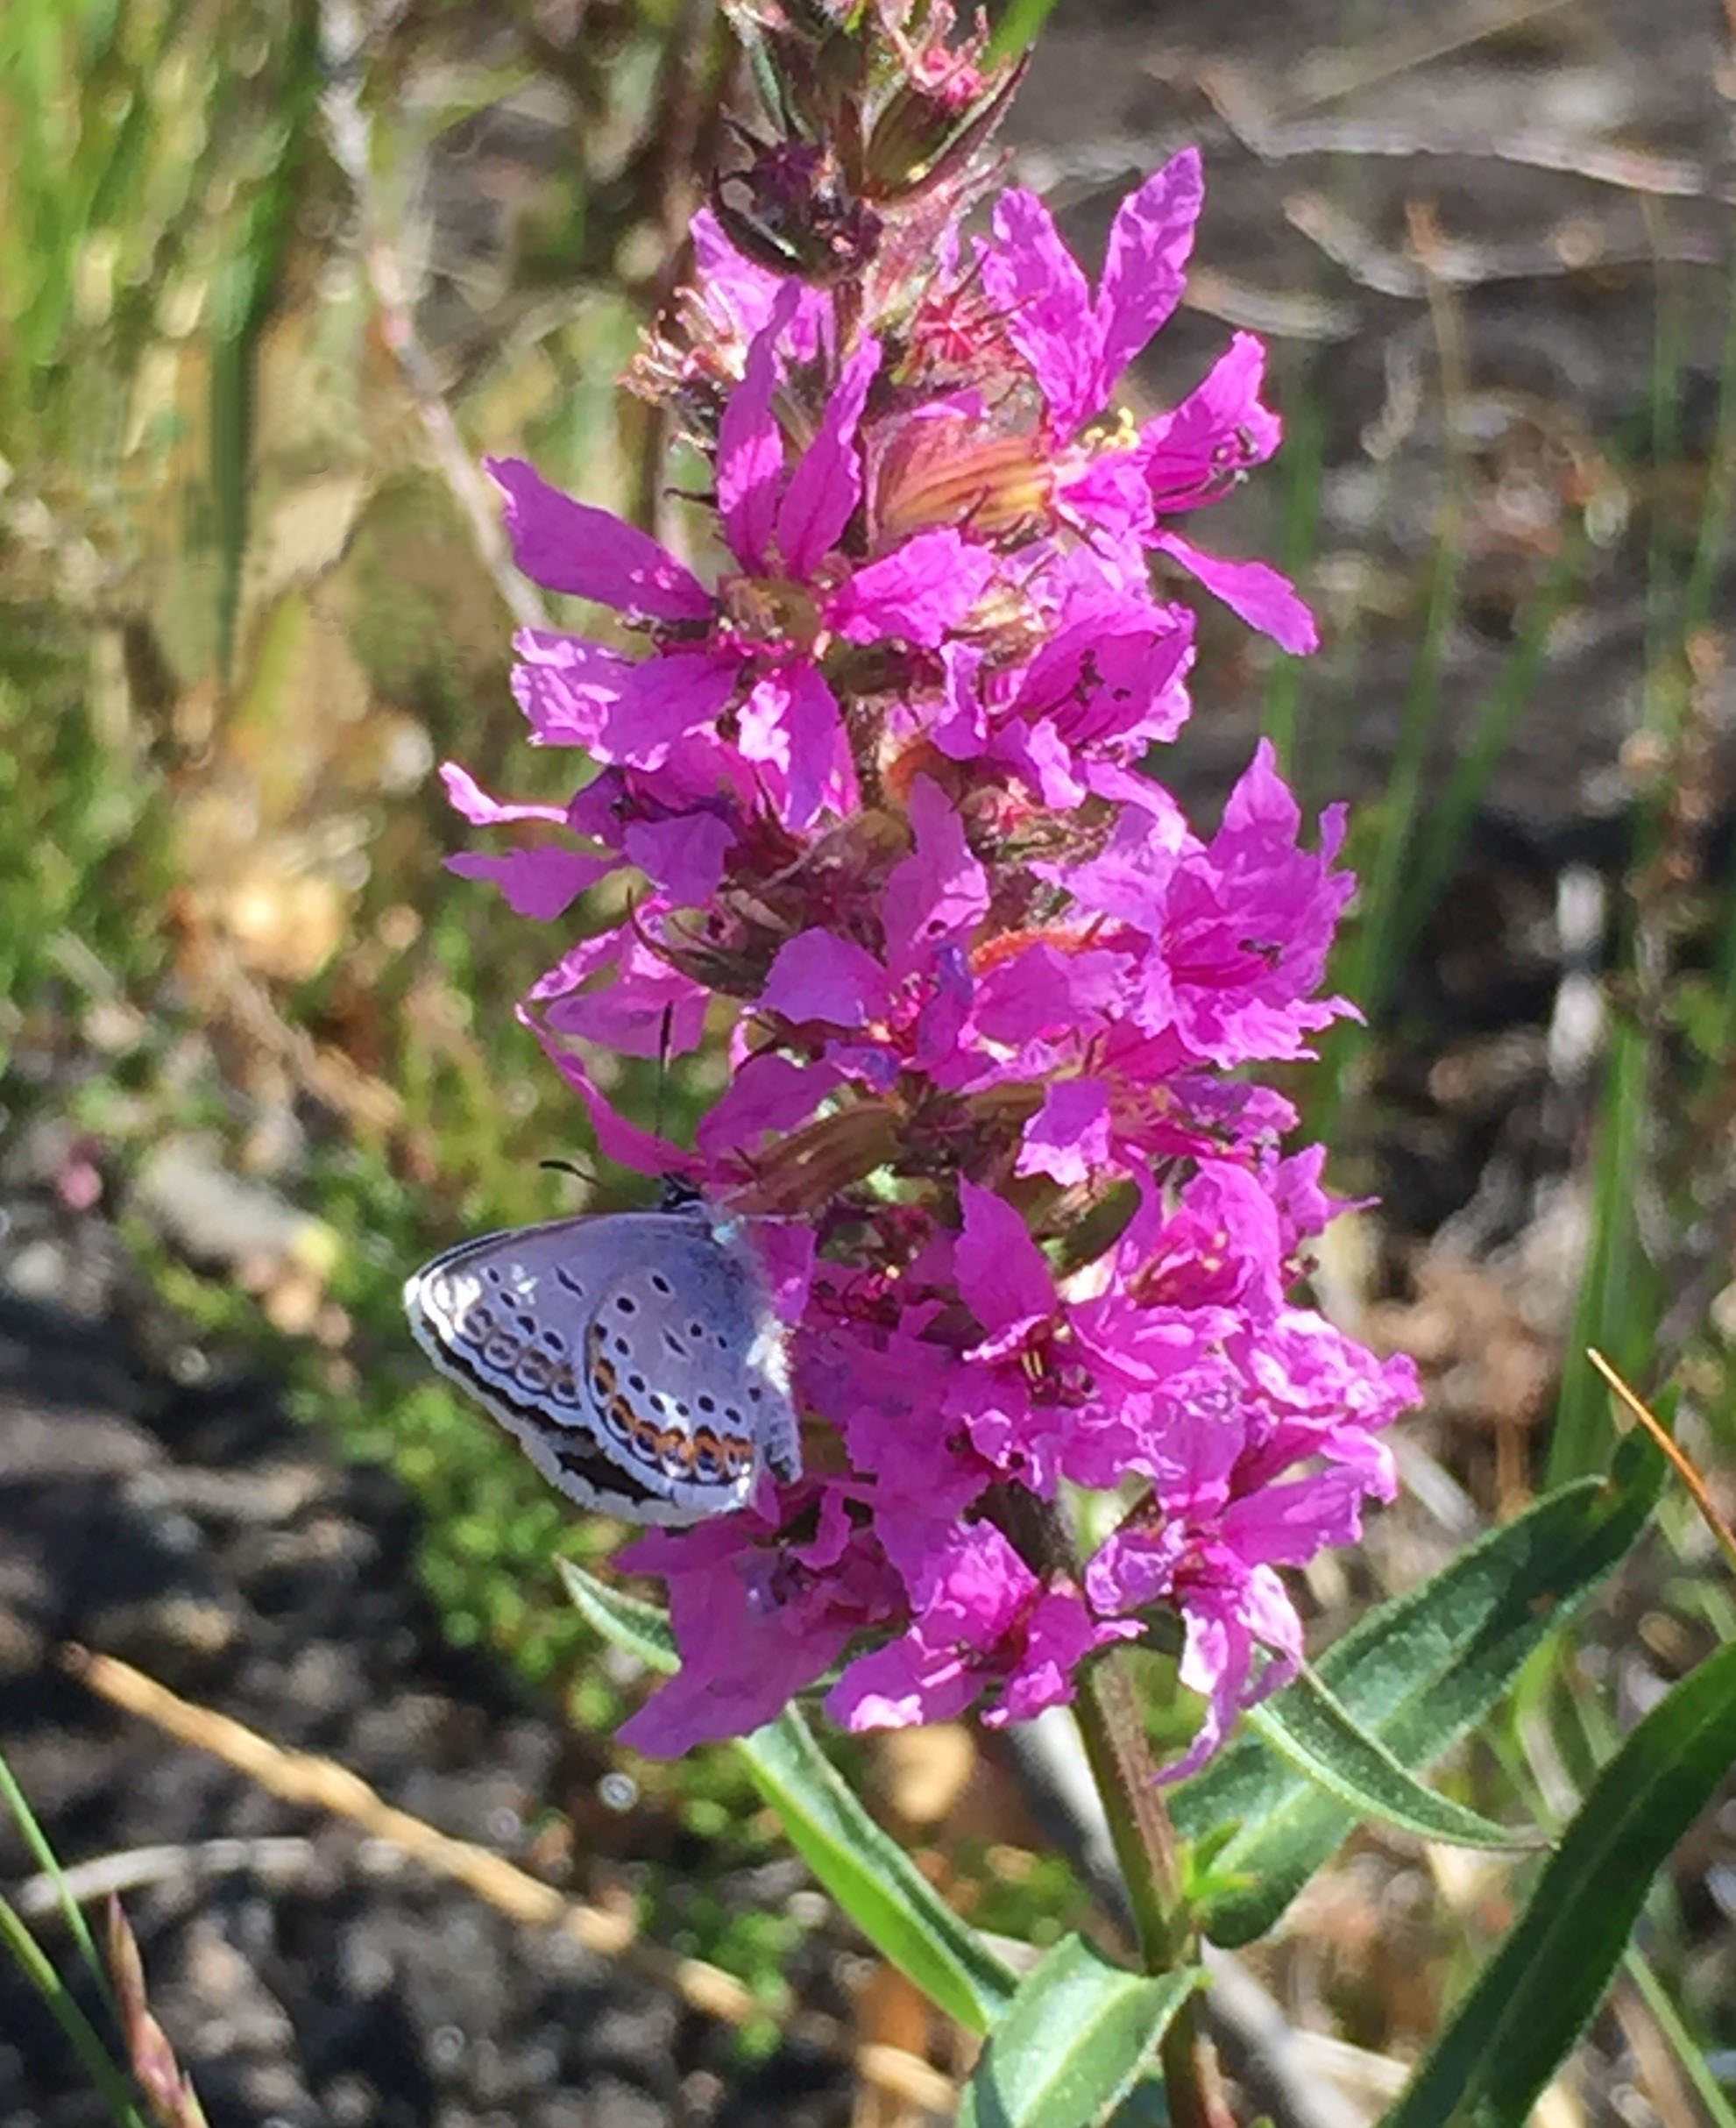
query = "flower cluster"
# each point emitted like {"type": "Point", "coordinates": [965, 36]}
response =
{"type": "Point", "coordinates": [880, 778]}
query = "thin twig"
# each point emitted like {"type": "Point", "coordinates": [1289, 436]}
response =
{"type": "Point", "coordinates": [1273, 138]}
{"type": "Point", "coordinates": [305, 1777]}
{"type": "Point", "coordinates": [350, 134]}
{"type": "Point", "coordinates": [287, 1857]}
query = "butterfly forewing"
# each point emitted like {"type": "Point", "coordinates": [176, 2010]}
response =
{"type": "Point", "coordinates": [633, 1355]}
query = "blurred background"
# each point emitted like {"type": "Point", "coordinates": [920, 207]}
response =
{"type": "Point", "coordinates": [273, 275]}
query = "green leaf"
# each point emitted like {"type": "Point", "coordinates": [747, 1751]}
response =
{"type": "Point", "coordinates": [866, 1870]}
{"type": "Point", "coordinates": [112, 2083]}
{"type": "Point", "coordinates": [38, 1841]}
{"type": "Point", "coordinates": [1312, 1732]}
{"type": "Point", "coordinates": [1080, 2034]}
{"type": "Point", "coordinates": [1535, 1997]}
{"type": "Point", "coordinates": [1018, 28]}
{"type": "Point", "coordinates": [1417, 1673]}
{"type": "Point", "coordinates": [625, 1621]}
{"type": "Point", "coordinates": [872, 1878]}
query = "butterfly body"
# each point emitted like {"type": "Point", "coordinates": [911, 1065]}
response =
{"type": "Point", "coordinates": [635, 1356]}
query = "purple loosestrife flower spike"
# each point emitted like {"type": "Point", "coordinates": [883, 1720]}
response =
{"type": "Point", "coordinates": [878, 775]}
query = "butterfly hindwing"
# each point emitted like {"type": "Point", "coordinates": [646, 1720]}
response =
{"type": "Point", "coordinates": [633, 1356]}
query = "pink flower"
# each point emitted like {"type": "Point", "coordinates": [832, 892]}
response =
{"type": "Point", "coordinates": [983, 1622]}
{"type": "Point", "coordinates": [756, 648]}
{"type": "Point", "coordinates": [1236, 932]}
{"type": "Point", "coordinates": [757, 1623]}
{"type": "Point", "coordinates": [876, 796]}
{"type": "Point", "coordinates": [1078, 346]}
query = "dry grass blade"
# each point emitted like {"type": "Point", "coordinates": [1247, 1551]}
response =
{"type": "Point", "coordinates": [1679, 1460]}
{"type": "Point", "coordinates": [165, 2088]}
{"type": "Point", "coordinates": [304, 1777]}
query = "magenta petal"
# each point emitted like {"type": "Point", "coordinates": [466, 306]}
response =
{"type": "Point", "coordinates": [1226, 1623]}
{"type": "Point", "coordinates": [466, 796]}
{"type": "Point", "coordinates": [539, 883]}
{"type": "Point", "coordinates": [742, 1661]}
{"type": "Point", "coordinates": [1068, 1138]}
{"type": "Point", "coordinates": [1003, 1276]}
{"type": "Point", "coordinates": [661, 700]}
{"type": "Point", "coordinates": [1143, 270]}
{"type": "Point", "coordinates": [1118, 673]}
{"type": "Point", "coordinates": [769, 1093]}
{"type": "Point", "coordinates": [1251, 590]}
{"type": "Point", "coordinates": [741, 296]}
{"type": "Point", "coordinates": [901, 1684]}
{"type": "Point", "coordinates": [961, 727]}
{"type": "Point", "coordinates": [1058, 1635]}
{"type": "Point", "coordinates": [637, 1015]}
{"type": "Point", "coordinates": [821, 772]}
{"type": "Point", "coordinates": [617, 1138]}
{"type": "Point", "coordinates": [684, 857]}
{"type": "Point", "coordinates": [939, 892]}
{"type": "Point", "coordinates": [967, 1598]}
{"type": "Point", "coordinates": [785, 1250]}
{"type": "Point", "coordinates": [1285, 1525]}
{"type": "Point", "coordinates": [819, 976]}
{"type": "Point", "coordinates": [1040, 990]}
{"type": "Point", "coordinates": [827, 484]}
{"type": "Point", "coordinates": [919, 593]}
{"type": "Point", "coordinates": [642, 1007]}
{"type": "Point", "coordinates": [1108, 497]}
{"type": "Point", "coordinates": [750, 456]}
{"type": "Point", "coordinates": [1194, 453]}
{"type": "Point", "coordinates": [564, 545]}
{"type": "Point", "coordinates": [1034, 281]}
{"type": "Point", "coordinates": [566, 685]}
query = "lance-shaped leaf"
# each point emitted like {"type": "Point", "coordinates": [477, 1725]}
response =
{"type": "Point", "coordinates": [1535, 1997]}
{"type": "Point", "coordinates": [1312, 1731]}
{"type": "Point", "coordinates": [627, 1622]}
{"type": "Point", "coordinates": [1416, 1673]}
{"type": "Point", "coordinates": [864, 1868]}
{"type": "Point", "coordinates": [1080, 2034]}
{"type": "Point", "coordinates": [872, 1878]}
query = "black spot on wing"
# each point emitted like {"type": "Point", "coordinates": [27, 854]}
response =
{"type": "Point", "coordinates": [572, 1448]}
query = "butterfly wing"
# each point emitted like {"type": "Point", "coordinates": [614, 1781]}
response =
{"type": "Point", "coordinates": [577, 1335]}
{"type": "Point", "coordinates": [686, 1365]}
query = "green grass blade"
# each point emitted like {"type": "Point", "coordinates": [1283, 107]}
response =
{"type": "Point", "coordinates": [1018, 28]}
{"type": "Point", "coordinates": [1312, 1731]}
{"type": "Point", "coordinates": [627, 1622]}
{"type": "Point", "coordinates": [34, 1964]}
{"type": "Point", "coordinates": [1442, 834]}
{"type": "Point", "coordinates": [1535, 1997]}
{"type": "Point", "coordinates": [36, 1840]}
{"type": "Point", "coordinates": [1375, 955]}
{"type": "Point", "coordinates": [1689, 2059]}
{"type": "Point", "coordinates": [1616, 1307]}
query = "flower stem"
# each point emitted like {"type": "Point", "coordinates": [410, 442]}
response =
{"type": "Point", "coordinates": [1145, 1840]}
{"type": "Point", "coordinates": [1120, 1757]}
